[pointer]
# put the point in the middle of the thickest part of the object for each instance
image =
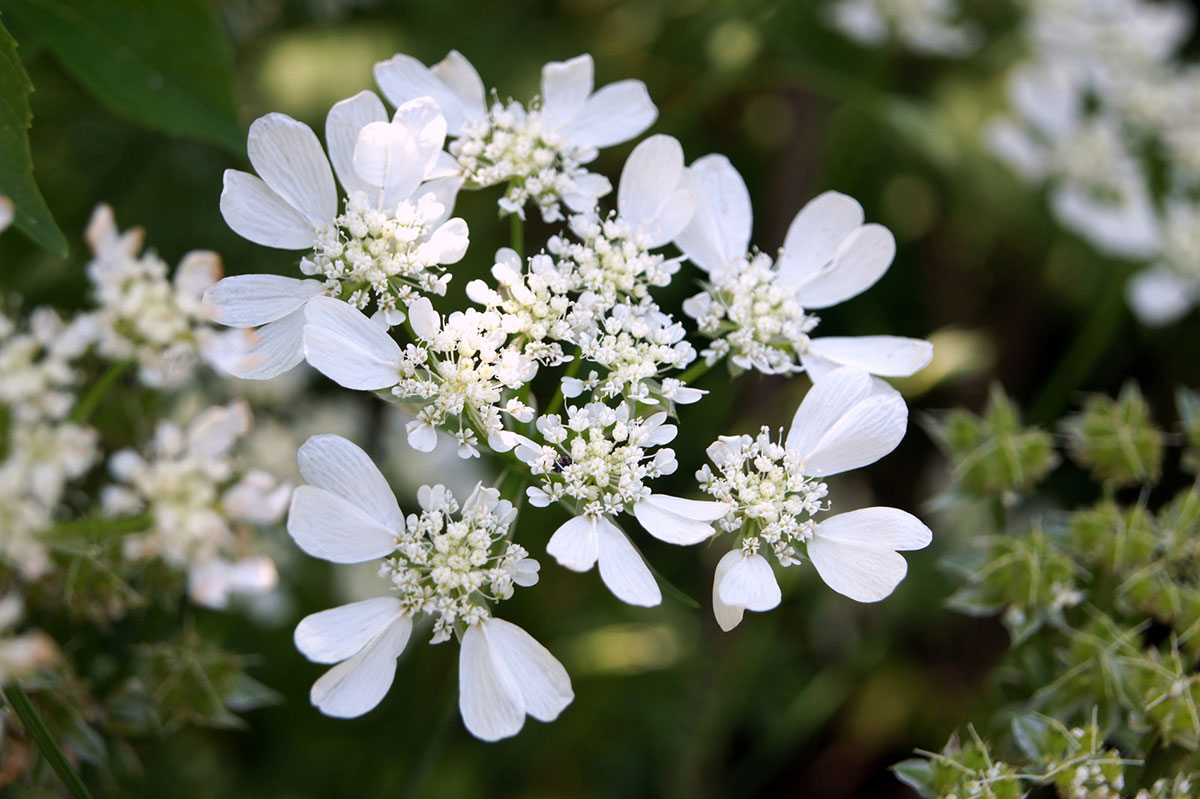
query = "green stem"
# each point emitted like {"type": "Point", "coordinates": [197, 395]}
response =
{"type": "Point", "coordinates": [695, 371]}
{"type": "Point", "coordinates": [573, 369]}
{"type": "Point", "coordinates": [86, 406]}
{"type": "Point", "coordinates": [516, 227]}
{"type": "Point", "coordinates": [89, 527]}
{"type": "Point", "coordinates": [1083, 354]}
{"type": "Point", "coordinates": [37, 729]}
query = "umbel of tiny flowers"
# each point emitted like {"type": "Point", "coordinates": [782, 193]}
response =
{"type": "Point", "coordinates": [756, 310]}
{"type": "Point", "coordinates": [538, 151]}
{"type": "Point", "coordinates": [390, 241]}
{"type": "Point", "coordinates": [772, 490]}
{"type": "Point", "coordinates": [449, 563]}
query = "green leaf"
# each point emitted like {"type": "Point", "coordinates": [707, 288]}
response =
{"type": "Point", "coordinates": [16, 164]}
{"type": "Point", "coordinates": [166, 65]}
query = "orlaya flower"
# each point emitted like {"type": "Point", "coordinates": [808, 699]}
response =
{"type": "Point", "coordinates": [348, 514]}
{"type": "Point", "coordinates": [829, 255]}
{"type": "Point", "coordinates": [844, 422]}
{"type": "Point", "coordinates": [292, 204]}
{"type": "Point", "coordinates": [571, 110]}
{"type": "Point", "coordinates": [856, 552]}
{"type": "Point", "coordinates": [656, 195]}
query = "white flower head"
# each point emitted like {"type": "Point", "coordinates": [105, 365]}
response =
{"type": "Point", "coordinates": [447, 562]}
{"type": "Point", "coordinates": [538, 150]}
{"type": "Point", "coordinates": [391, 241]}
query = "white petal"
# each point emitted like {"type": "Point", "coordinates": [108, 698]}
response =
{"type": "Point", "coordinates": [489, 696]}
{"type": "Point", "coordinates": [860, 261]}
{"type": "Point", "coordinates": [329, 527]}
{"type": "Point", "coordinates": [197, 272]}
{"type": "Point", "coordinates": [853, 552]}
{"type": "Point", "coordinates": [827, 401]}
{"type": "Point", "coordinates": [213, 433]}
{"type": "Point", "coordinates": [566, 85]}
{"type": "Point", "coordinates": [6, 212]}
{"type": "Point", "coordinates": [348, 348]}
{"type": "Point", "coordinates": [727, 616]}
{"type": "Point", "coordinates": [287, 155]}
{"type": "Point", "coordinates": [676, 520]}
{"type": "Point", "coordinates": [445, 191]}
{"type": "Point", "coordinates": [333, 635]}
{"type": "Point", "coordinates": [341, 467]}
{"type": "Point", "coordinates": [649, 197]}
{"type": "Point", "coordinates": [1012, 144]}
{"type": "Point", "coordinates": [618, 112]}
{"type": "Point", "coordinates": [622, 568]}
{"type": "Point", "coordinates": [1127, 228]}
{"type": "Point", "coordinates": [260, 353]}
{"type": "Point", "coordinates": [448, 244]}
{"type": "Point", "coordinates": [453, 84]}
{"type": "Point", "coordinates": [867, 432]}
{"type": "Point", "coordinates": [575, 544]}
{"type": "Point", "coordinates": [886, 356]}
{"type": "Point", "coordinates": [814, 236]}
{"type": "Point", "coordinates": [256, 213]}
{"type": "Point", "coordinates": [424, 320]}
{"type": "Point", "coordinates": [750, 583]}
{"type": "Point", "coordinates": [422, 436]}
{"type": "Point", "coordinates": [1048, 96]}
{"type": "Point", "coordinates": [387, 155]}
{"type": "Point", "coordinates": [881, 528]}
{"type": "Point", "coordinates": [1160, 295]}
{"type": "Point", "coordinates": [353, 687]}
{"type": "Point", "coordinates": [343, 124]}
{"type": "Point", "coordinates": [544, 682]}
{"type": "Point", "coordinates": [253, 300]}
{"type": "Point", "coordinates": [720, 228]}
{"type": "Point", "coordinates": [424, 119]}
{"type": "Point", "coordinates": [456, 72]}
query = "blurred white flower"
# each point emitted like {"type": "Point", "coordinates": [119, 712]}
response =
{"type": "Point", "coordinates": [6, 212]}
{"type": "Point", "coordinates": [142, 314]}
{"type": "Point", "coordinates": [930, 27]}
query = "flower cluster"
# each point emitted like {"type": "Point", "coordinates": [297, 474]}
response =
{"type": "Point", "coordinates": [448, 562]}
{"type": "Point", "coordinates": [1101, 86]}
{"type": "Point", "coordinates": [143, 315]}
{"type": "Point", "coordinates": [42, 447]}
{"type": "Point", "coordinates": [585, 302]}
{"type": "Point", "coordinates": [932, 27]}
{"type": "Point", "coordinates": [188, 484]}
{"type": "Point", "coordinates": [537, 151]}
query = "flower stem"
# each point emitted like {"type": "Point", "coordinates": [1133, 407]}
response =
{"type": "Point", "coordinates": [86, 406]}
{"type": "Point", "coordinates": [1081, 357]}
{"type": "Point", "coordinates": [118, 526]}
{"type": "Point", "coordinates": [37, 729]}
{"type": "Point", "coordinates": [695, 371]}
{"type": "Point", "coordinates": [516, 227]}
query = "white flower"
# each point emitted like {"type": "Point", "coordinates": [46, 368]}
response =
{"type": "Point", "coordinates": [214, 583]}
{"type": "Point", "coordinates": [1160, 296]}
{"type": "Point", "coordinates": [7, 210]}
{"type": "Point", "coordinates": [393, 237]}
{"type": "Point", "coordinates": [504, 675]}
{"type": "Point", "coordinates": [931, 27]}
{"type": "Point", "coordinates": [828, 256]}
{"type": "Point", "coordinates": [538, 151]}
{"type": "Point", "coordinates": [656, 195]}
{"type": "Point", "coordinates": [856, 552]}
{"type": "Point", "coordinates": [143, 313]}
{"type": "Point", "coordinates": [446, 562]}
{"type": "Point", "coordinates": [676, 520]}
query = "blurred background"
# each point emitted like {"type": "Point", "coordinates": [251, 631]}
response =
{"type": "Point", "coordinates": [816, 698]}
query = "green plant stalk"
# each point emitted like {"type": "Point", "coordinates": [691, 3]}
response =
{"type": "Point", "coordinates": [1085, 351]}
{"type": "Point", "coordinates": [86, 406]}
{"type": "Point", "coordinates": [119, 526]}
{"type": "Point", "coordinates": [37, 729]}
{"type": "Point", "coordinates": [516, 227]}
